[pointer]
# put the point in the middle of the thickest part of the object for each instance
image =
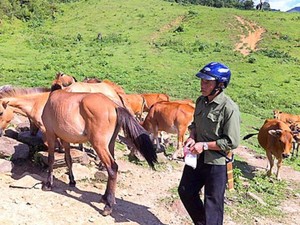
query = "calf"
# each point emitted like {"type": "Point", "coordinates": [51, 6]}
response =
{"type": "Point", "coordinates": [295, 128]}
{"type": "Point", "coordinates": [276, 138]}
{"type": "Point", "coordinates": [285, 117]}
{"type": "Point", "coordinates": [171, 117]}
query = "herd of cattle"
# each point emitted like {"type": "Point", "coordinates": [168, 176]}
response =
{"type": "Point", "coordinates": [154, 111]}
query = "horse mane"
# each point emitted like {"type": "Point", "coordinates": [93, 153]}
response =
{"type": "Point", "coordinates": [9, 91]}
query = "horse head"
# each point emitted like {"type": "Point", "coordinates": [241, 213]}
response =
{"type": "Point", "coordinates": [6, 115]}
{"type": "Point", "coordinates": [62, 80]}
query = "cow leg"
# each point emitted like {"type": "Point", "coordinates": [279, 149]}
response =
{"type": "Point", "coordinates": [271, 163]}
{"type": "Point", "coordinates": [179, 149]}
{"type": "Point", "coordinates": [279, 164]}
{"type": "Point", "coordinates": [156, 139]}
{"type": "Point", "coordinates": [295, 145]}
{"type": "Point", "coordinates": [68, 160]}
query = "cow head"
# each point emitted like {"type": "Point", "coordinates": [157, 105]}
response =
{"type": "Point", "coordinates": [284, 138]}
{"type": "Point", "coordinates": [276, 114]}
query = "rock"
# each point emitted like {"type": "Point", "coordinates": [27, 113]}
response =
{"type": "Point", "coordinates": [5, 166]}
{"type": "Point", "coordinates": [27, 138]}
{"type": "Point", "coordinates": [101, 176]}
{"type": "Point", "coordinates": [256, 198]}
{"type": "Point", "coordinates": [59, 158]}
{"type": "Point", "coordinates": [13, 149]}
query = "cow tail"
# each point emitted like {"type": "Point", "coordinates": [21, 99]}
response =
{"type": "Point", "coordinates": [137, 134]}
{"type": "Point", "coordinates": [249, 136]}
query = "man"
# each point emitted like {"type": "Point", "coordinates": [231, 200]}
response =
{"type": "Point", "coordinates": [214, 131]}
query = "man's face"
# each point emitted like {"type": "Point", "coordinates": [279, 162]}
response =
{"type": "Point", "coordinates": [207, 86]}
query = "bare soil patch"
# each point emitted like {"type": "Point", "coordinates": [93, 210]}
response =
{"type": "Point", "coordinates": [143, 196]}
{"type": "Point", "coordinates": [249, 41]}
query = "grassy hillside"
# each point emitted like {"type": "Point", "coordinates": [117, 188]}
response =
{"type": "Point", "coordinates": [157, 46]}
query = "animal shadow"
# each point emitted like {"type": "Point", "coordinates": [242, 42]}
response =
{"type": "Point", "coordinates": [124, 211]}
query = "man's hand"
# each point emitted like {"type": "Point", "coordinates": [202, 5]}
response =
{"type": "Point", "coordinates": [197, 148]}
{"type": "Point", "coordinates": [189, 142]}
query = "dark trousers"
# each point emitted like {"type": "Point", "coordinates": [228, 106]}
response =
{"type": "Point", "coordinates": [214, 178]}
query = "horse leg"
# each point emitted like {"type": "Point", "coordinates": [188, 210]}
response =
{"type": "Point", "coordinates": [106, 155]}
{"type": "Point", "coordinates": [50, 141]}
{"type": "Point", "coordinates": [112, 169]}
{"type": "Point", "coordinates": [68, 160]}
{"type": "Point", "coordinates": [33, 128]}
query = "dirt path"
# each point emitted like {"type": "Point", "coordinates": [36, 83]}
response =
{"type": "Point", "coordinates": [166, 28]}
{"type": "Point", "coordinates": [249, 42]}
{"type": "Point", "coordinates": [143, 196]}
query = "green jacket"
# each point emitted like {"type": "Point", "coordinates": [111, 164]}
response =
{"type": "Point", "coordinates": [217, 121]}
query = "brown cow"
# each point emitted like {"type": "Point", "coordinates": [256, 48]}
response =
{"type": "Point", "coordinates": [285, 117]}
{"type": "Point", "coordinates": [152, 98]}
{"type": "Point", "coordinates": [295, 128]}
{"type": "Point", "coordinates": [171, 117]}
{"type": "Point", "coordinates": [135, 102]}
{"type": "Point", "coordinates": [276, 138]}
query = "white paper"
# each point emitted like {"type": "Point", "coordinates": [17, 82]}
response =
{"type": "Point", "coordinates": [191, 160]}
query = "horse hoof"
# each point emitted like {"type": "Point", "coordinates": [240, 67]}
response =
{"type": "Point", "coordinates": [107, 211]}
{"type": "Point", "coordinates": [72, 184]}
{"type": "Point", "coordinates": [46, 186]}
{"type": "Point", "coordinates": [103, 200]}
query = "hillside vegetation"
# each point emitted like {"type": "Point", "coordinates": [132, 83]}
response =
{"type": "Point", "coordinates": [158, 46]}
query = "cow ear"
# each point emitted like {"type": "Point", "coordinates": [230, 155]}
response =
{"type": "Point", "coordinates": [5, 104]}
{"type": "Point", "coordinates": [275, 133]}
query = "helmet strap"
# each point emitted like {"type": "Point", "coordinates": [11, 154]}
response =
{"type": "Point", "coordinates": [217, 88]}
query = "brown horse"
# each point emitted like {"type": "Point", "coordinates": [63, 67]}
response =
{"type": "Point", "coordinates": [64, 80]}
{"type": "Point", "coordinates": [25, 101]}
{"type": "Point", "coordinates": [6, 115]}
{"type": "Point", "coordinates": [97, 119]}
{"type": "Point", "coordinates": [91, 80]}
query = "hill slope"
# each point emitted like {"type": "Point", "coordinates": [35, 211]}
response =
{"type": "Point", "coordinates": [158, 46]}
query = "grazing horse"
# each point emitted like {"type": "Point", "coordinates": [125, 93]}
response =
{"type": "Point", "coordinates": [97, 119]}
{"type": "Point", "coordinates": [25, 101]}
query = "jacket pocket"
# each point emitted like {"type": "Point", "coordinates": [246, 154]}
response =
{"type": "Point", "coordinates": [214, 116]}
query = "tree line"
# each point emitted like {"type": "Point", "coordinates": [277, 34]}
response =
{"type": "Point", "coordinates": [26, 10]}
{"type": "Point", "coordinates": [239, 4]}
{"type": "Point", "coordinates": [38, 10]}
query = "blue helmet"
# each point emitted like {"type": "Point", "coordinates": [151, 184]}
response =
{"type": "Point", "coordinates": [215, 71]}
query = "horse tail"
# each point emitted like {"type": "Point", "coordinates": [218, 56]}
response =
{"type": "Point", "coordinates": [249, 136]}
{"type": "Point", "coordinates": [137, 134]}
